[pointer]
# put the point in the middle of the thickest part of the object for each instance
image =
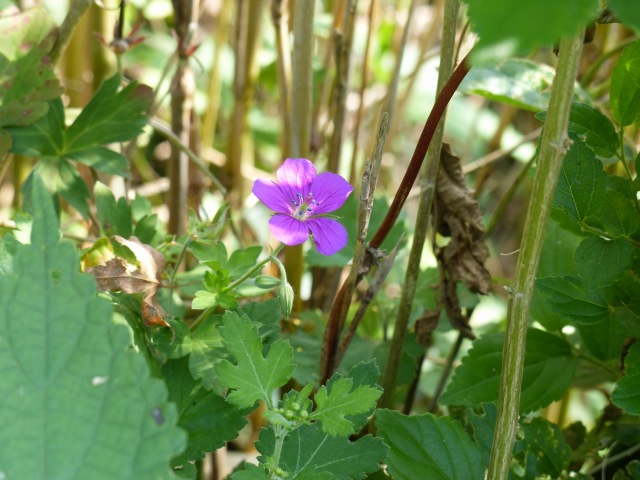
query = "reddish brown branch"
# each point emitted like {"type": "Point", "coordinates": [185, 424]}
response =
{"type": "Point", "coordinates": [343, 298]}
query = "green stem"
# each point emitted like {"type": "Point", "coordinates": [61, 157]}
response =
{"type": "Point", "coordinates": [261, 264]}
{"type": "Point", "coordinates": [553, 147]}
{"type": "Point", "coordinates": [301, 113]}
{"type": "Point", "coordinates": [280, 434]}
{"type": "Point", "coordinates": [68, 26]}
{"type": "Point", "coordinates": [427, 186]}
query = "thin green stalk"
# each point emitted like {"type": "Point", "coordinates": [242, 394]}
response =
{"type": "Point", "coordinates": [280, 434]}
{"type": "Point", "coordinates": [67, 28]}
{"type": "Point", "coordinates": [281, 26]}
{"type": "Point", "coordinates": [301, 112]}
{"type": "Point", "coordinates": [427, 187]}
{"type": "Point", "coordinates": [554, 145]}
{"type": "Point", "coordinates": [261, 264]}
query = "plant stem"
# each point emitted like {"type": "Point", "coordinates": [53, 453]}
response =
{"type": "Point", "coordinates": [261, 264]}
{"type": "Point", "coordinates": [280, 434]}
{"type": "Point", "coordinates": [281, 26]}
{"type": "Point", "coordinates": [68, 26]}
{"type": "Point", "coordinates": [553, 147]}
{"type": "Point", "coordinates": [301, 111]}
{"type": "Point", "coordinates": [427, 193]}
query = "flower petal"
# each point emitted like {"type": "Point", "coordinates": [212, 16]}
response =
{"type": "Point", "coordinates": [288, 230]}
{"type": "Point", "coordinates": [329, 235]}
{"type": "Point", "coordinates": [295, 176]}
{"type": "Point", "coordinates": [330, 190]}
{"type": "Point", "coordinates": [272, 196]}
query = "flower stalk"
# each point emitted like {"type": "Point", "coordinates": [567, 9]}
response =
{"type": "Point", "coordinates": [553, 146]}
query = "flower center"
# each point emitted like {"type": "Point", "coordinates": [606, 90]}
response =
{"type": "Point", "coordinates": [303, 207]}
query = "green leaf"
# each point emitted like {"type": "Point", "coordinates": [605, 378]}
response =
{"type": "Point", "coordinates": [619, 215]}
{"type": "Point", "coordinates": [340, 399]}
{"type": "Point", "coordinates": [425, 446]}
{"type": "Point", "coordinates": [44, 138]}
{"type": "Point", "coordinates": [627, 392]}
{"type": "Point", "coordinates": [602, 261]}
{"type": "Point", "coordinates": [253, 377]}
{"type": "Point", "coordinates": [206, 417]}
{"type": "Point", "coordinates": [110, 116]}
{"type": "Point", "coordinates": [308, 446]}
{"type": "Point", "coordinates": [581, 189]}
{"type": "Point", "coordinates": [102, 159]}
{"type": "Point", "coordinates": [72, 387]}
{"type": "Point", "coordinates": [250, 472]}
{"type": "Point", "coordinates": [543, 450]}
{"type": "Point", "coordinates": [594, 127]}
{"type": "Point", "coordinates": [603, 340]}
{"type": "Point", "coordinates": [114, 216]}
{"type": "Point", "coordinates": [515, 81]}
{"type": "Point", "coordinates": [627, 11]}
{"type": "Point", "coordinates": [572, 299]}
{"type": "Point", "coordinates": [548, 370]}
{"type": "Point", "coordinates": [242, 260]}
{"type": "Point", "coordinates": [266, 316]}
{"type": "Point", "coordinates": [508, 28]}
{"type": "Point", "coordinates": [482, 420]}
{"type": "Point", "coordinates": [26, 73]}
{"type": "Point", "coordinates": [624, 92]}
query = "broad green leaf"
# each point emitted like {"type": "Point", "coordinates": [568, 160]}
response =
{"type": "Point", "coordinates": [242, 260]}
{"type": "Point", "coordinates": [581, 189]}
{"type": "Point", "coordinates": [103, 159]}
{"type": "Point", "coordinates": [26, 73]}
{"type": "Point", "coordinates": [110, 116]}
{"type": "Point", "coordinates": [8, 248]}
{"type": "Point", "coordinates": [557, 258]}
{"type": "Point", "coordinates": [482, 420]}
{"type": "Point", "coordinates": [207, 418]}
{"type": "Point", "coordinates": [519, 82]}
{"type": "Point", "coordinates": [624, 92]}
{"type": "Point", "coordinates": [308, 446]}
{"type": "Point", "coordinates": [597, 130]}
{"type": "Point", "coordinates": [627, 392]}
{"type": "Point", "coordinates": [340, 399]}
{"type": "Point", "coordinates": [625, 301]}
{"type": "Point", "coordinates": [627, 11]}
{"type": "Point", "coordinates": [603, 340]}
{"type": "Point", "coordinates": [508, 28]}
{"type": "Point", "coordinates": [548, 370]}
{"type": "Point", "coordinates": [619, 215]}
{"type": "Point", "coordinates": [250, 472]}
{"type": "Point", "coordinates": [602, 261]}
{"type": "Point", "coordinates": [44, 138]}
{"type": "Point", "coordinates": [114, 216]}
{"type": "Point", "coordinates": [425, 446]}
{"type": "Point", "coordinates": [266, 315]}
{"type": "Point", "coordinates": [253, 377]}
{"type": "Point", "coordinates": [543, 450]}
{"type": "Point", "coordinates": [571, 298]}
{"type": "Point", "coordinates": [72, 388]}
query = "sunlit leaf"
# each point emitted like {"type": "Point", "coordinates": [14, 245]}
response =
{"type": "Point", "coordinates": [627, 11]}
{"type": "Point", "coordinates": [625, 86]}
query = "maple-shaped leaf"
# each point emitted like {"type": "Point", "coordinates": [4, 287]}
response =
{"type": "Point", "coordinates": [339, 399]}
{"type": "Point", "coordinates": [253, 377]}
{"type": "Point", "coordinates": [137, 274]}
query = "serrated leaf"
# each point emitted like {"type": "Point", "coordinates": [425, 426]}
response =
{"type": "Point", "coordinates": [207, 418]}
{"type": "Point", "coordinates": [114, 216]}
{"type": "Point", "coordinates": [266, 316]}
{"type": "Point", "coordinates": [250, 472]}
{"type": "Point", "coordinates": [627, 11]}
{"type": "Point", "coordinates": [548, 370]}
{"type": "Point", "coordinates": [543, 450]}
{"type": "Point", "coordinates": [601, 261]}
{"type": "Point", "coordinates": [308, 446]}
{"type": "Point", "coordinates": [483, 422]}
{"type": "Point", "coordinates": [624, 92]}
{"type": "Point", "coordinates": [572, 299]}
{"type": "Point", "coordinates": [253, 377]}
{"type": "Point", "coordinates": [597, 130]}
{"type": "Point", "coordinates": [581, 189]}
{"type": "Point", "coordinates": [64, 404]}
{"type": "Point", "coordinates": [425, 446]}
{"type": "Point", "coordinates": [603, 340]}
{"type": "Point", "coordinates": [110, 116]}
{"type": "Point", "coordinates": [340, 399]}
{"type": "Point", "coordinates": [619, 215]}
{"type": "Point", "coordinates": [627, 392]}
{"type": "Point", "coordinates": [519, 82]}
{"type": "Point", "coordinates": [26, 73]}
{"type": "Point", "coordinates": [508, 28]}
{"type": "Point", "coordinates": [44, 138]}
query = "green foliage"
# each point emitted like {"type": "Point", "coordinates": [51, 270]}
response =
{"type": "Point", "coordinates": [548, 370]}
{"type": "Point", "coordinates": [507, 28]}
{"type": "Point", "coordinates": [425, 446]}
{"type": "Point", "coordinates": [627, 392]}
{"type": "Point", "coordinates": [627, 11]}
{"type": "Point", "coordinates": [625, 86]}
{"type": "Point", "coordinates": [542, 449]}
{"type": "Point", "coordinates": [253, 377]}
{"type": "Point", "coordinates": [63, 360]}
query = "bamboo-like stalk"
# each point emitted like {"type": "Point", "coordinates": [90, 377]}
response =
{"type": "Point", "coordinates": [281, 25]}
{"type": "Point", "coordinates": [210, 120]}
{"type": "Point", "coordinates": [343, 52]}
{"type": "Point", "coordinates": [301, 88]}
{"type": "Point", "coordinates": [553, 146]}
{"type": "Point", "coordinates": [67, 28]}
{"type": "Point", "coordinates": [182, 91]}
{"type": "Point", "coordinates": [427, 193]}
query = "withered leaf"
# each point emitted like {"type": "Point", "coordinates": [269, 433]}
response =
{"type": "Point", "coordinates": [457, 215]}
{"type": "Point", "coordinates": [120, 275]}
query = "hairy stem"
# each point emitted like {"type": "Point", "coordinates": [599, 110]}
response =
{"type": "Point", "coordinates": [427, 193]}
{"type": "Point", "coordinates": [553, 147]}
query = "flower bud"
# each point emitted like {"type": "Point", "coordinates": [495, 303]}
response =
{"type": "Point", "coordinates": [285, 297]}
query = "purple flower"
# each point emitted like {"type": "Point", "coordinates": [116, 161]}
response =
{"type": "Point", "coordinates": [301, 199]}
